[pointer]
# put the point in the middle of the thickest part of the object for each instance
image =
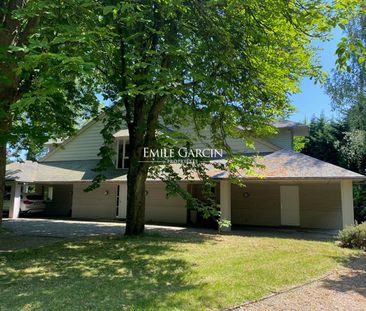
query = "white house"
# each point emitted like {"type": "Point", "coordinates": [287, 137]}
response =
{"type": "Point", "coordinates": [291, 190]}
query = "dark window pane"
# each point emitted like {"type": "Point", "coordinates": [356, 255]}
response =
{"type": "Point", "coordinates": [127, 150]}
{"type": "Point", "coordinates": [127, 163]}
{"type": "Point", "coordinates": [120, 154]}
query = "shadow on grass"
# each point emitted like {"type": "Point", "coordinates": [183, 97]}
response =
{"type": "Point", "coordinates": [354, 280]}
{"type": "Point", "coordinates": [110, 273]}
{"type": "Point", "coordinates": [285, 233]}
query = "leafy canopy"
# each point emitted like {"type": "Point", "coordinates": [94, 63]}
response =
{"type": "Point", "coordinates": [45, 85]}
{"type": "Point", "coordinates": [207, 64]}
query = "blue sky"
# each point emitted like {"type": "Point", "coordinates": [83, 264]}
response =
{"type": "Point", "coordinates": [312, 100]}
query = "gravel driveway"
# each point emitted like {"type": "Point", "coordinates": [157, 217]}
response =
{"type": "Point", "coordinates": [58, 228]}
{"type": "Point", "coordinates": [29, 232]}
{"type": "Point", "coordinates": [343, 290]}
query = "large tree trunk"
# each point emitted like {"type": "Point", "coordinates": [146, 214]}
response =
{"type": "Point", "coordinates": [136, 178]}
{"type": "Point", "coordinates": [135, 220]}
{"type": "Point", "coordinates": [142, 120]}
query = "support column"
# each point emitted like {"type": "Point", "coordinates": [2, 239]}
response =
{"type": "Point", "coordinates": [347, 203]}
{"type": "Point", "coordinates": [15, 200]}
{"type": "Point", "coordinates": [225, 201]}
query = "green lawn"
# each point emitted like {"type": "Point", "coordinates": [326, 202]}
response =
{"type": "Point", "coordinates": [190, 272]}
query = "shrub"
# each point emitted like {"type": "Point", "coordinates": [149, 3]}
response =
{"type": "Point", "coordinates": [353, 236]}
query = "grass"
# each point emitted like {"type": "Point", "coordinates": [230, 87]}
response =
{"type": "Point", "coordinates": [190, 272]}
{"type": "Point", "coordinates": [3, 231]}
{"type": "Point", "coordinates": [10, 241]}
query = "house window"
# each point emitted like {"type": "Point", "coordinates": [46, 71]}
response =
{"type": "Point", "coordinates": [123, 160]}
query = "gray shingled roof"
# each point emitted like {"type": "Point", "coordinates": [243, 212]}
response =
{"type": "Point", "coordinates": [286, 164]}
{"type": "Point", "coordinates": [280, 165]}
{"type": "Point", "coordinates": [298, 129]}
{"type": "Point", "coordinates": [287, 124]}
{"type": "Point", "coordinates": [59, 171]}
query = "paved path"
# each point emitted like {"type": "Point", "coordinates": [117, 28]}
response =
{"type": "Point", "coordinates": [71, 228]}
{"type": "Point", "coordinates": [29, 232]}
{"type": "Point", "coordinates": [342, 290]}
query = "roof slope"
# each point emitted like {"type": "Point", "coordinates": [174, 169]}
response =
{"type": "Point", "coordinates": [59, 171]}
{"type": "Point", "coordinates": [280, 165]}
{"type": "Point", "coordinates": [287, 164]}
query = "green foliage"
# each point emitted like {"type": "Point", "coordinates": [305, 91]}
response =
{"type": "Point", "coordinates": [52, 83]}
{"type": "Point", "coordinates": [353, 236]}
{"type": "Point", "coordinates": [224, 224]}
{"type": "Point", "coordinates": [348, 88]}
{"type": "Point", "coordinates": [299, 143]}
{"type": "Point", "coordinates": [323, 141]}
{"type": "Point", "coordinates": [352, 48]}
{"type": "Point", "coordinates": [359, 201]}
{"type": "Point", "coordinates": [352, 150]}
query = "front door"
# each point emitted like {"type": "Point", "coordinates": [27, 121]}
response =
{"type": "Point", "coordinates": [122, 201]}
{"type": "Point", "coordinates": [290, 207]}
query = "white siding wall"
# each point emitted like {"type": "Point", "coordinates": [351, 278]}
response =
{"type": "Point", "coordinates": [85, 146]}
{"type": "Point", "coordinates": [95, 204]}
{"type": "Point", "coordinates": [236, 144]}
{"type": "Point", "coordinates": [159, 208]}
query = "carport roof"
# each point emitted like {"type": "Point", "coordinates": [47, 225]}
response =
{"type": "Point", "coordinates": [287, 164]}
{"type": "Point", "coordinates": [280, 165]}
{"type": "Point", "coordinates": [59, 171]}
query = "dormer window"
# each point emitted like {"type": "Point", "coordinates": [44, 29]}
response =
{"type": "Point", "coordinates": [123, 160]}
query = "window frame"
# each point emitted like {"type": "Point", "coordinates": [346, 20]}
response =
{"type": "Point", "coordinates": [124, 156]}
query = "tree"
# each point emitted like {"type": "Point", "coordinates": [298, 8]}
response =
{"type": "Point", "coordinates": [42, 86]}
{"type": "Point", "coordinates": [225, 65]}
{"type": "Point", "coordinates": [347, 89]}
{"type": "Point", "coordinates": [324, 140]}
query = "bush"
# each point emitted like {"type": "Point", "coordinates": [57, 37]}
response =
{"type": "Point", "coordinates": [353, 236]}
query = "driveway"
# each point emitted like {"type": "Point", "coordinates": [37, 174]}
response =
{"type": "Point", "coordinates": [71, 228]}
{"type": "Point", "coordinates": [25, 233]}
{"type": "Point", "coordinates": [58, 228]}
{"type": "Point", "coordinates": [343, 290]}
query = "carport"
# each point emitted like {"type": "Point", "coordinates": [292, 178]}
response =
{"type": "Point", "coordinates": [62, 185]}
{"type": "Point", "coordinates": [57, 198]}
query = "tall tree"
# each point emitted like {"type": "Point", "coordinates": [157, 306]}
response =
{"type": "Point", "coordinates": [42, 89]}
{"type": "Point", "coordinates": [225, 65]}
{"type": "Point", "coordinates": [324, 139]}
{"type": "Point", "coordinates": [347, 89]}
